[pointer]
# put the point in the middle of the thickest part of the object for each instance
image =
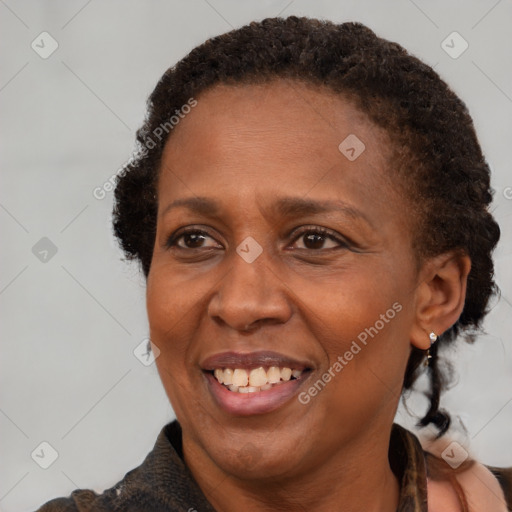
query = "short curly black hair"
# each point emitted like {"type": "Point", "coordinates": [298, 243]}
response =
{"type": "Point", "coordinates": [436, 151]}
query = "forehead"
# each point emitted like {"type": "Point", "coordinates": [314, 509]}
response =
{"type": "Point", "coordinates": [276, 137]}
{"type": "Point", "coordinates": [302, 116]}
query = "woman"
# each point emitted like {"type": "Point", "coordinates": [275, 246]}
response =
{"type": "Point", "coordinates": [310, 209]}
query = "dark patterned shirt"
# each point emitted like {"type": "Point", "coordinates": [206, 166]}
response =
{"type": "Point", "coordinates": [163, 483]}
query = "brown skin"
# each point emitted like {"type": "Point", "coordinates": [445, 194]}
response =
{"type": "Point", "coordinates": [246, 146]}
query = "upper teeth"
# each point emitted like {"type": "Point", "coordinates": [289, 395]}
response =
{"type": "Point", "coordinates": [243, 381]}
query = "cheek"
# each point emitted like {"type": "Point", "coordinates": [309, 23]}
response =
{"type": "Point", "coordinates": [170, 308]}
{"type": "Point", "coordinates": [362, 324]}
{"type": "Point", "coordinates": [352, 305]}
{"type": "Point", "coordinates": [176, 302]}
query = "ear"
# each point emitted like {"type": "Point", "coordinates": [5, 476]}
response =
{"type": "Point", "coordinates": [440, 296]}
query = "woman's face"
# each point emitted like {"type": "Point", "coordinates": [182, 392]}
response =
{"type": "Point", "coordinates": [255, 172]}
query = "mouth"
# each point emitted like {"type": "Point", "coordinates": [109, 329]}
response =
{"type": "Point", "coordinates": [241, 380]}
{"type": "Point", "coordinates": [255, 383]}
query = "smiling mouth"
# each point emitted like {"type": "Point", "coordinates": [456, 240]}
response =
{"type": "Point", "coordinates": [241, 380]}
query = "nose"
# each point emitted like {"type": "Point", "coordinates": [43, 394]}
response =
{"type": "Point", "coordinates": [250, 295]}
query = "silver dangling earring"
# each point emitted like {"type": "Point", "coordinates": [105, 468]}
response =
{"type": "Point", "coordinates": [433, 339]}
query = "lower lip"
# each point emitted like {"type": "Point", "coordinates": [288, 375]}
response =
{"type": "Point", "coordinates": [259, 402]}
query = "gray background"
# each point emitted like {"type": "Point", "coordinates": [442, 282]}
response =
{"type": "Point", "coordinates": [70, 322]}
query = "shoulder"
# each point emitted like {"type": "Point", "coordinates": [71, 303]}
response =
{"type": "Point", "coordinates": [481, 489]}
{"type": "Point", "coordinates": [161, 482]}
{"type": "Point", "coordinates": [80, 500]}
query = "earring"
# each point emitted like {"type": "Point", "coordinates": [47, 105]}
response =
{"type": "Point", "coordinates": [433, 339]}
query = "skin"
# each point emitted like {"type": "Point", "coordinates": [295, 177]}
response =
{"type": "Point", "coordinates": [482, 490]}
{"type": "Point", "coordinates": [245, 146]}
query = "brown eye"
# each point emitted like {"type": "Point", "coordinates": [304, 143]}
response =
{"type": "Point", "coordinates": [192, 239]}
{"type": "Point", "coordinates": [315, 239]}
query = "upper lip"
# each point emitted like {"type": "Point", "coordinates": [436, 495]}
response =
{"type": "Point", "coordinates": [250, 360]}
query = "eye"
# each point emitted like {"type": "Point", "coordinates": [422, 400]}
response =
{"type": "Point", "coordinates": [314, 238]}
{"type": "Point", "coordinates": [192, 239]}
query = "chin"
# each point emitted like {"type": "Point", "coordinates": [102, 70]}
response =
{"type": "Point", "coordinates": [251, 456]}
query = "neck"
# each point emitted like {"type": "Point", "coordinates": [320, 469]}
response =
{"type": "Point", "coordinates": [357, 478]}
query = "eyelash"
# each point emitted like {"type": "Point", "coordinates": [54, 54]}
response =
{"type": "Point", "coordinates": [326, 233]}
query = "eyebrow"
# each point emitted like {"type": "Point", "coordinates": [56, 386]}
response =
{"type": "Point", "coordinates": [283, 207]}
